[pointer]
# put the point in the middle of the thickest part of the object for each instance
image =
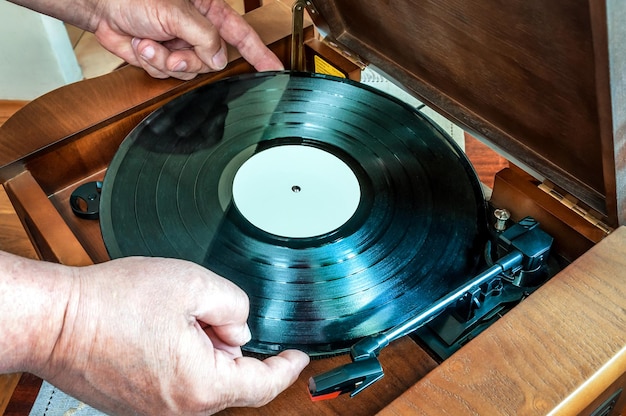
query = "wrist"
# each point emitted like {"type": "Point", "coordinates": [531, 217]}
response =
{"type": "Point", "coordinates": [35, 295]}
{"type": "Point", "coordinates": [82, 14]}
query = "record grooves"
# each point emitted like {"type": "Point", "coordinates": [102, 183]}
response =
{"type": "Point", "coordinates": [414, 231]}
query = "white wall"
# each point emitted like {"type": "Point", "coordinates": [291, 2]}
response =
{"type": "Point", "coordinates": [36, 55]}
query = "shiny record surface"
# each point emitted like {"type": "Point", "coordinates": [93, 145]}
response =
{"type": "Point", "coordinates": [414, 233]}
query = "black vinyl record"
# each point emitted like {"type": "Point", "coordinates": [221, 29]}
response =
{"type": "Point", "coordinates": [412, 231]}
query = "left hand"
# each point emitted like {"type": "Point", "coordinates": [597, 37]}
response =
{"type": "Point", "coordinates": [155, 336]}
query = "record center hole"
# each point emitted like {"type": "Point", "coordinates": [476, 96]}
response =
{"type": "Point", "coordinates": [295, 189]}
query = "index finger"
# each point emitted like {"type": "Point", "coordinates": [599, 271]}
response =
{"type": "Point", "coordinates": [206, 29]}
{"type": "Point", "coordinates": [237, 32]}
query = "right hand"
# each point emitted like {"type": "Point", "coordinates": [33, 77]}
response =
{"type": "Point", "coordinates": [178, 38]}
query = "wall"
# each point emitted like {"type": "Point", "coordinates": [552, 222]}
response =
{"type": "Point", "coordinates": [36, 55]}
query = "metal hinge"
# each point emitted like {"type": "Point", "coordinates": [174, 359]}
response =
{"type": "Point", "coordinates": [575, 205]}
{"type": "Point", "coordinates": [346, 53]}
{"type": "Point", "coordinates": [297, 42]}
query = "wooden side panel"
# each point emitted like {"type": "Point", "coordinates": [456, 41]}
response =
{"type": "Point", "coordinates": [52, 238]}
{"type": "Point", "coordinates": [540, 80]}
{"type": "Point", "coordinates": [8, 108]}
{"type": "Point", "coordinates": [519, 193]}
{"type": "Point", "coordinates": [7, 384]}
{"type": "Point", "coordinates": [604, 385]}
{"type": "Point", "coordinates": [24, 395]}
{"type": "Point", "coordinates": [615, 124]}
{"type": "Point", "coordinates": [559, 348]}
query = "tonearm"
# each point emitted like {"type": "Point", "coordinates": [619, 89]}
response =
{"type": "Point", "coordinates": [524, 247]}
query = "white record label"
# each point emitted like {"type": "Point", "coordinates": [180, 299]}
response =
{"type": "Point", "coordinates": [296, 191]}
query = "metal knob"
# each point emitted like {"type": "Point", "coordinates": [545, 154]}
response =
{"type": "Point", "coordinates": [502, 216]}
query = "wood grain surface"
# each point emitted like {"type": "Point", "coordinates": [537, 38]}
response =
{"type": "Point", "coordinates": [541, 80]}
{"type": "Point", "coordinates": [8, 108]}
{"type": "Point", "coordinates": [8, 382]}
{"type": "Point", "coordinates": [405, 363]}
{"type": "Point", "coordinates": [486, 161]}
{"type": "Point", "coordinates": [13, 239]}
{"type": "Point", "coordinates": [54, 123]}
{"type": "Point", "coordinates": [560, 349]}
{"type": "Point", "coordinates": [488, 66]}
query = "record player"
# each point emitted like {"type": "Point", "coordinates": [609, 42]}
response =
{"type": "Point", "coordinates": [541, 82]}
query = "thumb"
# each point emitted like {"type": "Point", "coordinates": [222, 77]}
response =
{"type": "Point", "coordinates": [207, 31]}
{"type": "Point", "coordinates": [259, 382]}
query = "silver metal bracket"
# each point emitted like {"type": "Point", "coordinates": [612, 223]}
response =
{"type": "Point", "coordinates": [297, 35]}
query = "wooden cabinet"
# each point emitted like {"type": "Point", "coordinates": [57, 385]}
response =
{"type": "Point", "coordinates": [563, 349]}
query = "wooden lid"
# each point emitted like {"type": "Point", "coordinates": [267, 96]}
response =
{"type": "Point", "coordinates": [542, 81]}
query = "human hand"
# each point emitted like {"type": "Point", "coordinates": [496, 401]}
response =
{"type": "Point", "coordinates": [168, 38]}
{"type": "Point", "coordinates": [178, 38]}
{"type": "Point", "coordinates": [161, 336]}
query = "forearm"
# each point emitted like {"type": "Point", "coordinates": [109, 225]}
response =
{"type": "Point", "coordinates": [32, 309]}
{"type": "Point", "coordinates": [80, 13]}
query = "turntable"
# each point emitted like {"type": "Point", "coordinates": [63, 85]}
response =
{"type": "Point", "coordinates": [532, 79]}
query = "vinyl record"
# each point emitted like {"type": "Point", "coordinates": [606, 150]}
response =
{"type": "Point", "coordinates": [338, 209]}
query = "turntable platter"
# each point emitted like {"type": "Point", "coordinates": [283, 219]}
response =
{"type": "Point", "coordinates": [340, 210]}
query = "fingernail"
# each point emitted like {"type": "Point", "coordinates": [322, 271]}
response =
{"type": "Point", "coordinates": [135, 42]}
{"type": "Point", "coordinates": [219, 59]}
{"type": "Point", "coordinates": [181, 66]}
{"type": "Point", "coordinates": [148, 53]}
{"type": "Point", "coordinates": [247, 335]}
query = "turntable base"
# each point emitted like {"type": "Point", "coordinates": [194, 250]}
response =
{"type": "Point", "coordinates": [555, 352]}
{"type": "Point", "coordinates": [562, 350]}
{"type": "Point", "coordinates": [531, 371]}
